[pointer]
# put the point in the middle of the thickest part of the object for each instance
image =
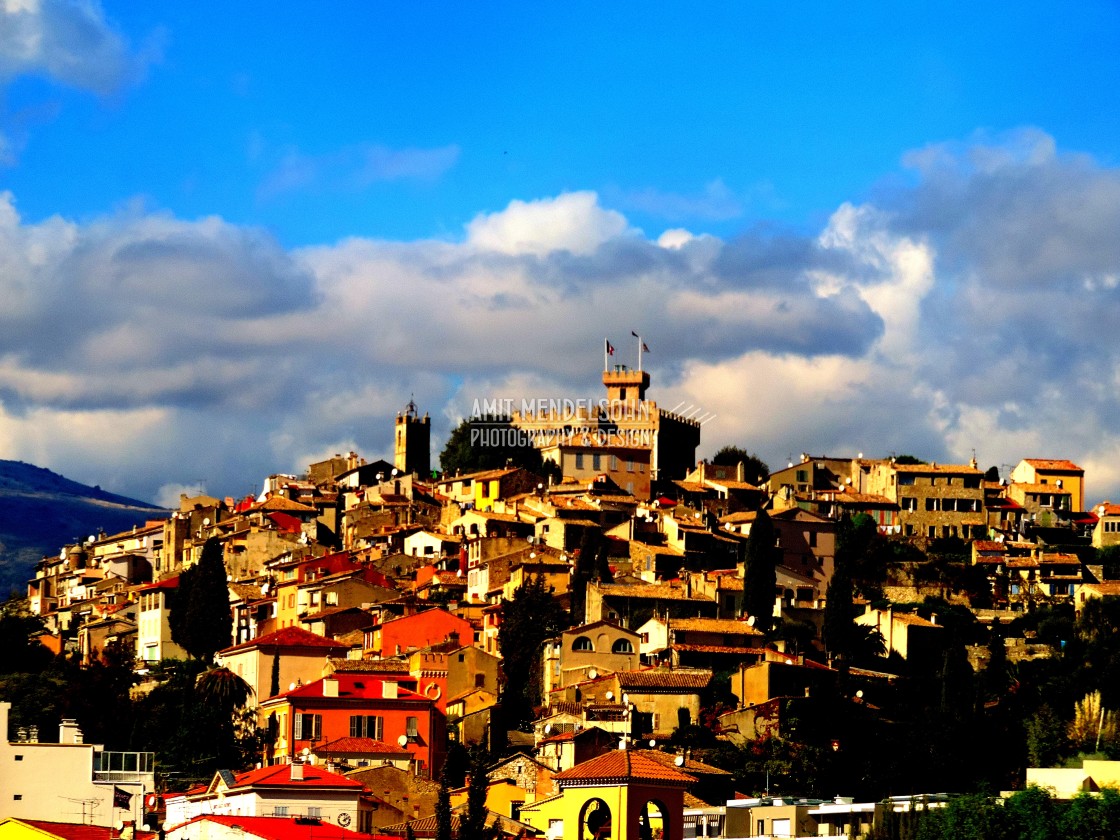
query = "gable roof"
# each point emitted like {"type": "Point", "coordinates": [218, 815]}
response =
{"type": "Point", "coordinates": [359, 746]}
{"type": "Point", "coordinates": [283, 828]}
{"type": "Point", "coordinates": [280, 775]}
{"type": "Point", "coordinates": [664, 678]}
{"type": "Point", "coordinates": [288, 637]}
{"type": "Point", "coordinates": [75, 831]}
{"type": "Point", "coordinates": [624, 766]}
{"type": "Point", "coordinates": [351, 687]}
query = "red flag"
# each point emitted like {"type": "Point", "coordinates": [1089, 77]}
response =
{"type": "Point", "coordinates": [644, 348]}
{"type": "Point", "coordinates": [610, 348]}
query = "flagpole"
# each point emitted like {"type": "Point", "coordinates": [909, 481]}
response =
{"type": "Point", "coordinates": [606, 355]}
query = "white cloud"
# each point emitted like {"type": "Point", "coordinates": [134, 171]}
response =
{"type": "Point", "coordinates": [570, 222]}
{"type": "Point", "coordinates": [140, 350]}
{"type": "Point", "coordinates": [67, 40]}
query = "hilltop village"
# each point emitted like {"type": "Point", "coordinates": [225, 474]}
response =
{"type": "Point", "coordinates": [598, 636]}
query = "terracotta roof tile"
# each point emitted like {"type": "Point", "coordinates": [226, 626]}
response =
{"type": "Point", "coordinates": [1053, 464]}
{"type": "Point", "coordinates": [360, 746]}
{"type": "Point", "coordinates": [80, 831]}
{"type": "Point", "coordinates": [623, 765]}
{"type": "Point", "coordinates": [664, 678]}
{"type": "Point", "coordinates": [288, 637]}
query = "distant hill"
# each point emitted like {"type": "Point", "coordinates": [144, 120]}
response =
{"type": "Point", "coordinates": [41, 511]}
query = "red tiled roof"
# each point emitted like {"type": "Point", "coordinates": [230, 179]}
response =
{"type": "Point", "coordinates": [285, 828]}
{"type": "Point", "coordinates": [663, 678]}
{"type": "Point", "coordinates": [624, 765]}
{"type": "Point", "coordinates": [351, 687]}
{"type": "Point", "coordinates": [280, 775]}
{"type": "Point", "coordinates": [1053, 464]}
{"type": "Point", "coordinates": [81, 831]}
{"type": "Point", "coordinates": [288, 637]}
{"type": "Point", "coordinates": [280, 503]}
{"type": "Point", "coordinates": [359, 746]}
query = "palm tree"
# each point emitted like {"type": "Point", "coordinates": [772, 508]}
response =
{"type": "Point", "coordinates": [223, 690]}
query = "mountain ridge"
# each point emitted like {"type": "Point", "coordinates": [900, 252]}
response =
{"type": "Point", "coordinates": [41, 511]}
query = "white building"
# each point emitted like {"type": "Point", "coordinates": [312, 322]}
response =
{"type": "Point", "coordinates": [70, 780]}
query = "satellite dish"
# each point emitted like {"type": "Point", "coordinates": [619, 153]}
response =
{"type": "Point", "coordinates": [593, 674]}
{"type": "Point", "coordinates": [403, 740]}
{"type": "Point", "coordinates": [750, 621]}
{"type": "Point", "coordinates": [306, 751]}
{"type": "Point", "coordinates": [206, 522]}
{"type": "Point", "coordinates": [652, 742]}
{"type": "Point", "coordinates": [679, 761]}
{"type": "Point", "coordinates": [118, 825]}
{"type": "Point", "coordinates": [311, 760]}
{"type": "Point", "coordinates": [610, 695]}
{"type": "Point", "coordinates": [530, 539]}
{"type": "Point", "coordinates": [395, 470]}
{"type": "Point", "coordinates": [548, 729]}
{"type": "Point", "coordinates": [626, 699]}
{"type": "Point", "coordinates": [62, 554]}
{"type": "Point", "coordinates": [291, 686]}
{"type": "Point", "coordinates": [92, 539]}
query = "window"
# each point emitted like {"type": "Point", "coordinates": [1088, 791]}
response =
{"type": "Point", "coordinates": [614, 463]}
{"type": "Point", "coordinates": [307, 727]}
{"type": "Point", "coordinates": [412, 727]}
{"type": "Point", "coordinates": [596, 462]}
{"type": "Point", "coordinates": [332, 599]}
{"type": "Point", "coordinates": [931, 504]}
{"type": "Point", "coordinates": [641, 467]}
{"type": "Point", "coordinates": [314, 811]}
{"type": "Point", "coordinates": [579, 460]}
{"type": "Point", "coordinates": [367, 726]}
{"type": "Point", "coordinates": [622, 646]}
{"type": "Point", "coordinates": [802, 476]}
{"type": "Point", "coordinates": [17, 796]}
{"type": "Point", "coordinates": [812, 539]}
{"type": "Point", "coordinates": [905, 480]}
{"type": "Point", "coordinates": [279, 810]}
{"type": "Point", "coordinates": [630, 465]}
{"type": "Point", "coordinates": [19, 758]}
{"type": "Point", "coordinates": [582, 643]}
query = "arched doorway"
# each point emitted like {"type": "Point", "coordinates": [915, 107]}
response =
{"type": "Point", "coordinates": [653, 823]}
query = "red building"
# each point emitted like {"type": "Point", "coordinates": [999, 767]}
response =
{"type": "Point", "coordinates": [358, 706]}
{"type": "Point", "coordinates": [416, 631]}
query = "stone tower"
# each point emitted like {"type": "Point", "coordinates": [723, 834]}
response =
{"type": "Point", "coordinates": [413, 442]}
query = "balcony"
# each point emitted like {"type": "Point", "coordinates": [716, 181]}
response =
{"type": "Point", "coordinates": [123, 767]}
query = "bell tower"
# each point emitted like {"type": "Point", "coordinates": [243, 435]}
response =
{"type": "Point", "coordinates": [412, 448]}
{"type": "Point", "coordinates": [625, 385]}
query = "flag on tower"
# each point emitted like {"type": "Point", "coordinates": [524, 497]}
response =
{"type": "Point", "coordinates": [610, 348]}
{"type": "Point", "coordinates": [634, 334]}
{"type": "Point", "coordinates": [644, 347]}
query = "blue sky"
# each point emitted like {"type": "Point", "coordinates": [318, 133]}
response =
{"type": "Point", "coordinates": [240, 236]}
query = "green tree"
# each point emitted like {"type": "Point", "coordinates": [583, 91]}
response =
{"type": "Point", "coordinates": [200, 618]}
{"type": "Point", "coordinates": [761, 571]}
{"type": "Point", "coordinates": [23, 654]}
{"type": "Point", "coordinates": [274, 677]}
{"type": "Point", "coordinates": [528, 619]}
{"type": "Point", "coordinates": [839, 609]}
{"type": "Point", "coordinates": [443, 811]}
{"type": "Point", "coordinates": [755, 469]}
{"type": "Point", "coordinates": [489, 442]}
{"type": "Point", "coordinates": [472, 823]}
{"type": "Point", "coordinates": [1046, 737]}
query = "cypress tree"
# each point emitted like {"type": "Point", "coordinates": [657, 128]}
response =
{"type": "Point", "coordinates": [200, 618]}
{"type": "Point", "coordinates": [761, 572]}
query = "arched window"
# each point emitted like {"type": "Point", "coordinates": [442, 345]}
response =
{"type": "Point", "coordinates": [582, 643]}
{"type": "Point", "coordinates": [622, 646]}
{"type": "Point", "coordinates": [594, 820]}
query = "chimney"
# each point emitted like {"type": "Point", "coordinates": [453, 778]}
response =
{"type": "Point", "coordinates": [330, 687]}
{"type": "Point", "coordinates": [389, 690]}
{"type": "Point", "coordinates": [69, 732]}
{"type": "Point", "coordinates": [297, 770]}
{"type": "Point", "coordinates": [33, 734]}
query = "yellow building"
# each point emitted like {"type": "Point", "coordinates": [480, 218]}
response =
{"type": "Point", "coordinates": [613, 795]}
{"type": "Point", "coordinates": [1058, 474]}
